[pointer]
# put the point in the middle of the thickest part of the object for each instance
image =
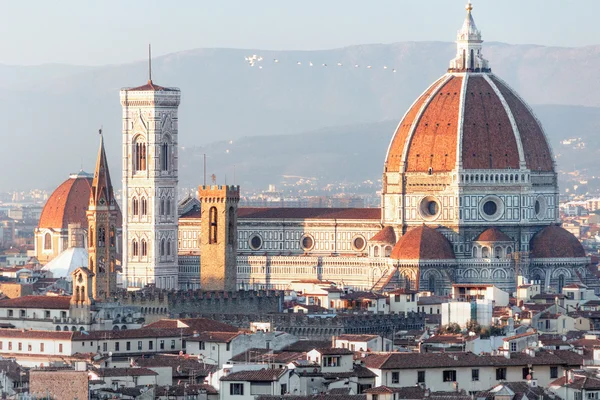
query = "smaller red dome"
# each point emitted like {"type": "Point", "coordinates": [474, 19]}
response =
{"type": "Point", "coordinates": [555, 242]}
{"type": "Point", "coordinates": [386, 235]}
{"type": "Point", "coordinates": [68, 203]}
{"type": "Point", "coordinates": [493, 235]}
{"type": "Point", "coordinates": [423, 243]}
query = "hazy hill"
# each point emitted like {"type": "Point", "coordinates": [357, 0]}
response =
{"type": "Point", "coordinates": [51, 112]}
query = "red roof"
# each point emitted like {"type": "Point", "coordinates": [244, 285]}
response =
{"type": "Point", "coordinates": [423, 243]}
{"type": "Point", "coordinates": [44, 302]}
{"type": "Point", "coordinates": [193, 324]}
{"type": "Point", "coordinates": [442, 115]}
{"type": "Point", "coordinates": [386, 235]}
{"type": "Point", "coordinates": [309, 213]}
{"type": "Point", "coordinates": [151, 86]}
{"type": "Point", "coordinates": [69, 203]}
{"type": "Point", "coordinates": [555, 242]}
{"type": "Point", "coordinates": [493, 235]}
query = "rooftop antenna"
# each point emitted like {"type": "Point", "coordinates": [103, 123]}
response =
{"type": "Point", "coordinates": [149, 62]}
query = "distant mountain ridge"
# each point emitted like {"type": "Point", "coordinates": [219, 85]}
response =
{"type": "Point", "coordinates": [52, 112]}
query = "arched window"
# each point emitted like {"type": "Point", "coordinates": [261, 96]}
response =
{"type": "Point", "coordinates": [164, 157]}
{"type": "Point", "coordinates": [169, 247]}
{"type": "Point", "coordinates": [376, 251]}
{"type": "Point", "coordinates": [509, 250]}
{"type": "Point", "coordinates": [168, 207]}
{"type": "Point", "coordinates": [162, 207]}
{"type": "Point", "coordinates": [162, 247]}
{"type": "Point", "coordinates": [561, 283]}
{"type": "Point", "coordinates": [139, 163]}
{"type": "Point", "coordinates": [231, 226]}
{"type": "Point", "coordinates": [475, 252]}
{"type": "Point", "coordinates": [485, 252]}
{"type": "Point", "coordinates": [47, 241]}
{"type": "Point", "coordinates": [91, 238]}
{"type": "Point", "coordinates": [498, 252]}
{"type": "Point", "coordinates": [144, 247]}
{"type": "Point", "coordinates": [113, 239]}
{"type": "Point", "coordinates": [212, 234]}
{"type": "Point", "coordinates": [135, 206]}
{"type": "Point", "coordinates": [388, 251]}
{"type": "Point", "coordinates": [431, 283]}
{"type": "Point", "coordinates": [135, 248]}
{"type": "Point", "coordinates": [101, 236]}
{"type": "Point", "coordinates": [144, 207]}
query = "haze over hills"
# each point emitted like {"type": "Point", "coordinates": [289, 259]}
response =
{"type": "Point", "coordinates": [51, 112]}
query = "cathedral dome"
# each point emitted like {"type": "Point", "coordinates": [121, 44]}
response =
{"type": "Point", "coordinates": [423, 243]}
{"type": "Point", "coordinates": [68, 203]}
{"type": "Point", "coordinates": [493, 235]}
{"type": "Point", "coordinates": [555, 242]}
{"type": "Point", "coordinates": [469, 119]}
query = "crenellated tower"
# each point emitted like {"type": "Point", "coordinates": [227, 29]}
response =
{"type": "Point", "coordinates": [102, 215]}
{"type": "Point", "coordinates": [218, 238]}
{"type": "Point", "coordinates": [150, 220]}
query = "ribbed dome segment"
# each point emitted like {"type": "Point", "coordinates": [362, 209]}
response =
{"type": "Point", "coordinates": [555, 242]}
{"type": "Point", "coordinates": [67, 204]}
{"type": "Point", "coordinates": [423, 243]}
{"type": "Point", "coordinates": [475, 116]}
{"type": "Point", "coordinates": [386, 235]}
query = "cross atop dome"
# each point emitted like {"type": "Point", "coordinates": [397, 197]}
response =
{"type": "Point", "coordinates": [468, 47]}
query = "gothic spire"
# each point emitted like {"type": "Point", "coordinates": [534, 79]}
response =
{"type": "Point", "coordinates": [102, 190]}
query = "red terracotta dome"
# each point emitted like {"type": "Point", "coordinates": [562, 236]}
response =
{"type": "Point", "coordinates": [469, 118]}
{"type": "Point", "coordinates": [555, 242]}
{"type": "Point", "coordinates": [423, 243]}
{"type": "Point", "coordinates": [493, 235]}
{"type": "Point", "coordinates": [68, 204]}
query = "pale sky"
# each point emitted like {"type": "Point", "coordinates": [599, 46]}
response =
{"type": "Point", "coordinates": [98, 32]}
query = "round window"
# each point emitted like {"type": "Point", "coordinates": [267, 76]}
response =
{"type": "Point", "coordinates": [430, 208]}
{"type": "Point", "coordinates": [540, 207]}
{"type": "Point", "coordinates": [490, 207]}
{"type": "Point", "coordinates": [307, 242]}
{"type": "Point", "coordinates": [256, 242]}
{"type": "Point", "coordinates": [358, 243]}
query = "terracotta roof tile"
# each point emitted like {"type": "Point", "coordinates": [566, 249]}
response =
{"type": "Point", "coordinates": [151, 86]}
{"type": "Point", "coordinates": [433, 143]}
{"type": "Point", "coordinates": [44, 302]}
{"type": "Point", "coordinates": [423, 243]}
{"type": "Point", "coordinates": [310, 213]}
{"type": "Point", "coordinates": [386, 235]}
{"type": "Point", "coordinates": [214, 337]}
{"type": "Point", "coordinates": [538, 156]}
{"type": "Point", "coordinates": [493, 235]}
{"type": "Point", "coordinates": [19, 333]}
{"type": "Point", "coordinates": [488, 137]}
{"type": "Point", "coordinates": [263, 375]}
{"type": "Point", "coordinates": [555, 242]}
{"type": "Point", "coordinates": [396, 150]}
{"type": "Point", "coordinates": [193, 324]}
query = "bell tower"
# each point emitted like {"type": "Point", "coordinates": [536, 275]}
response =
{"type": "Point", "coordinates": [102, 217]}
{"type": "Point", "coordinates": [218, 237]}
{"type": "Point", "coordinates": [150, 176]}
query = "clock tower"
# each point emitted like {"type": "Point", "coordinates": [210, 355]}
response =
{"type": "Point", "coordinates": [102, 215]}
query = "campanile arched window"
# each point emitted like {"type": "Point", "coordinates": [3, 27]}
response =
{"type": "Point", "coordinates": [135, 206]}
{"type": "Point", "coordinates": [101, 236]}
{"type": "Point", "coordinates": [164, 156]}
{"type": "Point", "coordinates": [212, 229]}
{"type": "Point", "coordinates": [139, 156]}
{"type": "Point", "coordinates": [144, 206]}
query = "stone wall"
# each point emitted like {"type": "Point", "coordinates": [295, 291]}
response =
{"type": "Point", "coordinates": [201, 302]}
{"type": "Point", "coordinates": [14, 290]}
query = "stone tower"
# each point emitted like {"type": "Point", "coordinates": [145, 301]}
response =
{"type": "Point", "coordinates": [218, 237]}
{"type": "Point", "coordinates": [82, 300]}
{"type": "Point", "coordinates": [102, 214]}
{"type": "Point", "coordinates": [150, 219]}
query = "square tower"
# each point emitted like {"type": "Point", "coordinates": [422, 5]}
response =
{"type": "Point", "coordinates": [218, 237]}
{"type": "Point", "coordinates": [150, 220]}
